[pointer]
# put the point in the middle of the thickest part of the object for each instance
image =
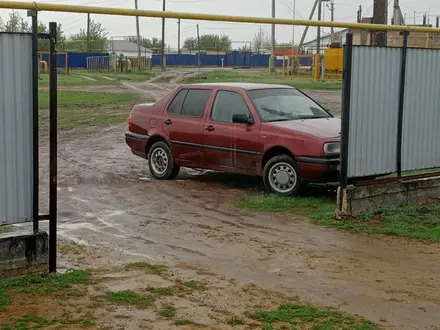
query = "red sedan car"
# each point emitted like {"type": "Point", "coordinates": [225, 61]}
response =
{"type": "Point", "coordinates": [272, 131]}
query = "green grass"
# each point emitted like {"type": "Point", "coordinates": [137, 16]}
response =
{"type": "Point", "coordinates": [234, 321]}
{"type": "Point", "coordinates": [310, 317]}
{"type": "Point", "coordinates": [75, 99]}
{"type": "Point", "coordinates": [262, 77]}
{"type": "Point", "coordinates": [193, 284]}
{"type": "Point", "coordinates": [418, 222]}
{"type": "Point", "coordinates": [129, 297]}
{"type": "Point", "coordinates": [6, 229]}
{"type": "Point", "coordinates": [37, 322]}
{"type": "Point", "coordinates": [167, 311]}
{"type": "Point", "coordinates": [82, 109]}
{"type": "Point", "coordinates": [75, 78]}
{"type": "Point", "coordinates": [154, 269]}
{"type": "Point", "coordinates": [161, 291]}
{"type": "Point", "coordinates": [41, 284]}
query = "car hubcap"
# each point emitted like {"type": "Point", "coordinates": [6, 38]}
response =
{"type": "Point", "coordinates": [282, 177]}
{"type": "Point", "coordinates": [159, 161]}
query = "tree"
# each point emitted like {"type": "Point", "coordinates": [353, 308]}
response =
{"type": "Point", "coordinates": [190, 43]}
{"type": "Point", "coordinates": [209, 42]}
{"type": "Point", "coordinates": [17, 23]}
{"type": "Point", "coordinates": [154, 43]}
{"type": "Point", "coordinates": [96, 42]}
{"type": "Point", "coordinates": [2, 26]}
{"type": "Point", "coordinates": [261, 41]}
{"type": "Point", "coordinates": [43, 45]}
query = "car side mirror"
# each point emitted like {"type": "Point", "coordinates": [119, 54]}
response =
{"type": "Point", "coordinates": [242, 119]}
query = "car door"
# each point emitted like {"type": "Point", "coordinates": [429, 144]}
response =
{"type": "Point", "coordinates": [183, 123]}
{"type": "Point", "coordinates": [229, 144]}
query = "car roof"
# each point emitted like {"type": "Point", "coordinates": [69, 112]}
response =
{"type": "Point", "coordinates": [246, 86]}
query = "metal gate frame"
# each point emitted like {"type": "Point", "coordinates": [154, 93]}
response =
{"type": "Point", "coordinates": [53, 128]}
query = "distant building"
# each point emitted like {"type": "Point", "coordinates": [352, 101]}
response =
{"type": "Point", "coordinates": [127, 48]}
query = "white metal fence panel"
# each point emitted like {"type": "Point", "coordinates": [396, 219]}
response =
{"type": "Point", "coordinates": [16, 131]}
{"type": "Point", "coordinates": [373, 111]}
{"type": "Point", "coordinates": [421, 114]}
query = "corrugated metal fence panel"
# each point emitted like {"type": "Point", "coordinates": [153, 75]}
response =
{"type": "Point", "coordinates": [373, 111]}
{"type": "Point", "coordinates": [16, 132]}
{"type": "Point", "coordinates": [421, 114]}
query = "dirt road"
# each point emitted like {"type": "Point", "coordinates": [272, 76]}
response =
{"type": "Point", "coordinates": [107, 199]}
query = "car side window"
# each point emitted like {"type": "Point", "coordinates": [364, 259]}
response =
{"type": "Point", "coordinates": [175, 106]}
{"type": "Point", "coordinates": [227, 104]}
{"type": "Point", "coordinates": [195, 102]}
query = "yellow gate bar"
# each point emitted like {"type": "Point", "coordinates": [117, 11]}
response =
{"type": "Point", "coordinates": [207, 17]}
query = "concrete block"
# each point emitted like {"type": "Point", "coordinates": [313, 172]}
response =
{"type": "Point", "coordinates": [23, 253]}
{"type": "Point", "coordinates": [354, 200]}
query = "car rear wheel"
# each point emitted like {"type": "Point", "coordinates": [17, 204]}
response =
{"type": "Point", "coordinates": [161, 162]}
{"type": "Point", "coordinates": [281, 176]}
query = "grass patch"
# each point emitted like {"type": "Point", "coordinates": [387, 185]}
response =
{"type": "Point", "coordinates": [76, 78]}
{"type": "Point", "coordinates": [183, 322]}
{"type": "Point", "coordinates": [307, 316]}
{"type": "Point", "coordinates": [129, 297]}
{"type": "Point", "coordinates": [73, 99]}
{"type": "Point", "coordinates": [36, 322]}
{"type": "Point", "coordinates": [6, 229]}
{"type": "Point", "coordinates": [81, 109]}
{"type": "Point", "coordinates": [161, 291]}
{"type": "Point", "coordinates": [153, 269]}
{"type": "Point", "coordinates": [262, 77]}
{"type": "Point", "coordinates": [193, 284]}
{"type": "Point", "coordinates": [235, 321]}
{"type": "Point", "coordinates": [41, 284]}
{"type": "Point", "coordinates": [167, 311]}
{"type": "Point", "coordinates": [419, 222]}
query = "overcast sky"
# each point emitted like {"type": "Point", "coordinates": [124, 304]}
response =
{"type": "Point", "coordinates": [118, 26]}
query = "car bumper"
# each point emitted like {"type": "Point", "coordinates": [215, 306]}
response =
{"type": "Point", "coordinates": [137, 143]}
{"type": "Point", "coordinates": [319, 169]}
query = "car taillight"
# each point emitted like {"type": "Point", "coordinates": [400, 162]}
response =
{"type": "Point", "coordinates": [130, 120]}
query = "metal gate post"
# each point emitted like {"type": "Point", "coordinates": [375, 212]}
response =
{"type": "Point", "coordinates": [345, 118]}
{"type": "Point", "coordinates": [53, 148]}
{"type": "Point", "coordinates": [401, 103]}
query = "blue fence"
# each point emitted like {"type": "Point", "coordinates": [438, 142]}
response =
{"type": "Point", "coordinates": [76, 60]}
{"type": "Point", "coordinates": [232, 59]}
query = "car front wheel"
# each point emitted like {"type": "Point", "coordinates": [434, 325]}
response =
{"type": "Point", "coordinates": [161, 162]}
{"type": "Point", "coordinates": [281, 176]}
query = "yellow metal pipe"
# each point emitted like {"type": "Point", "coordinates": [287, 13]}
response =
{"type": "Point", "coordinates": [207, 17]}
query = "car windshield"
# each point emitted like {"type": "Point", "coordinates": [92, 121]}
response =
{"type": "Point", "coordinates": [282, 104]}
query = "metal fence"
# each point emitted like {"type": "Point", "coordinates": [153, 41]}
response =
{"type": "Point", "coordinates": [391, 110]}
{"type": "Point", "coordinates": [16, 128]}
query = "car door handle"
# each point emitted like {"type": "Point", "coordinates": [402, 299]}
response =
{"type": "Point", "coordinates": [168, 122]}
{"type": "Point", "coordinates": [210, 128]}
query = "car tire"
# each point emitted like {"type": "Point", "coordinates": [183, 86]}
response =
{"type": "Point", "coordinates": [281, 176]}
{"type": "Point", "coordinates": [161, 162]}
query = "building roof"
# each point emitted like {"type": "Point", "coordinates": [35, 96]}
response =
{"type": "Point", "coordinates": [125, 46]}
{"type": "Point", "coordinates": [312, 42]}
{"type": "Point", "coordinates": [246, 86]}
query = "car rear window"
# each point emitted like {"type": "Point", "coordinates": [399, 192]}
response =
{"type": "Point", "coordinates": [176, 104]}
{"type": "Point", "coordinates": [195, 102]}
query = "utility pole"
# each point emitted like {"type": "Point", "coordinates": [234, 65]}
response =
{"type": "Point", "coordinates": [424, 19]}
{"type": "Point", "coordinates": [178, 36]}
{"type": "Point", "coordinates": [293, 26]}
{"type": "Point", "coordinates": [359, 14]}
{"type": "Point", "coordinates": [332, 17]}
{"type": "Point", "coordinates": [138, 37]}
{"type": "Point", "coordinates": [380, 16]}
{"type": "Point", "coordinates": [298, 48]}
{"type": "Point", "coordinates": [198, 46]}
{"type": "Point", "coordinates": [437, 22]}
{"type": "Point", "coordinates": [163, 39]}
{"type": "Point", "coordinates": [318, 36]}
{"type": "Point", "coordinates": [273, 37]}
{"type": "Point", "coordinates": [88, 32]}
